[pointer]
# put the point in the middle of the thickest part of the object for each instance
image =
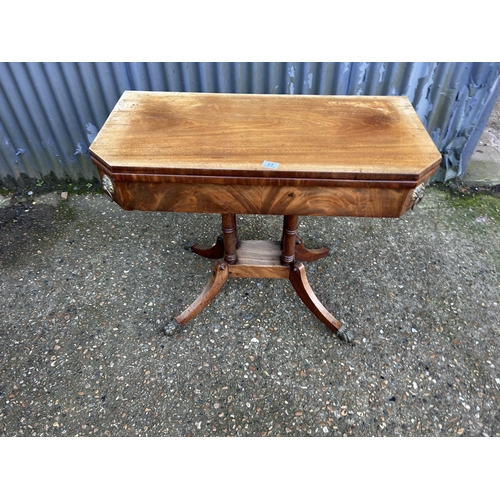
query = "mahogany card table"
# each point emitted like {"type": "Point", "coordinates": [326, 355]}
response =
{"type": "Point", "coordinates": [289, 155]}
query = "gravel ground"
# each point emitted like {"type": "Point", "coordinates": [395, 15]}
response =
{"type": "Point", "coordinates": [88, 287]}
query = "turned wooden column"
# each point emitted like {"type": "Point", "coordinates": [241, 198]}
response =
{"type": "Point", "coordinates": [235, 231]}
{"type": "Point", "coordinates": [290, 228]}
{"type": "Point", "coordinates": [229, 235]}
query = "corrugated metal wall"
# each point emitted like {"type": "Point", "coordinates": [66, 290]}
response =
{"type": "Point", "coordinates": [50, 112]}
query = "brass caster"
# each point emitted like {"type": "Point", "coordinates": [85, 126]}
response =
{"type": "Point", "coordinates": [171, 328]}
{"type": "Point", "coordinates": [344, 334]}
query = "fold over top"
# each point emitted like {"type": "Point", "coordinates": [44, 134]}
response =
{"type": "Point", "coordinates": [279, 136]}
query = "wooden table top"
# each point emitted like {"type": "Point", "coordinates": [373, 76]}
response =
{"type": "Point", "coordinates": [308, 136]}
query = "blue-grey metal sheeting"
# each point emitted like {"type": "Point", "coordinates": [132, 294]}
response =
{"type": "Point", "coordinates": [50, 112]}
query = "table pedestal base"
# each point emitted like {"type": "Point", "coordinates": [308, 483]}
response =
{"type": "Point", "coordinates": [260, 259]}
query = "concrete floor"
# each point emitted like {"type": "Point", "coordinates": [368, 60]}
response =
{"type": "Point", "coordinates": [87, 288]}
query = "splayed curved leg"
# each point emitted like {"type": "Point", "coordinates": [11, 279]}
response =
{"type": "Point", "coordinates": [219, 276]}
{"type": "Point", "coordinates": [214, 252]}
{"type": "Point", "coordinates": [299, 281]}
{"type": "Point", "coordinates": [308, 255]}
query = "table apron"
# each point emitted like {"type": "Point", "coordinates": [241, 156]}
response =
{"type": "Point", "coordinates": [373, 201]}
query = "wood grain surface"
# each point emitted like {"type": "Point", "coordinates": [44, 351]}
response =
{"type": "Point", "coordinates": [233, 134]}
{"type": "Point", "coordinates": [355, 201]}
{"type": "Point", "coordinates": [259, 259]}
